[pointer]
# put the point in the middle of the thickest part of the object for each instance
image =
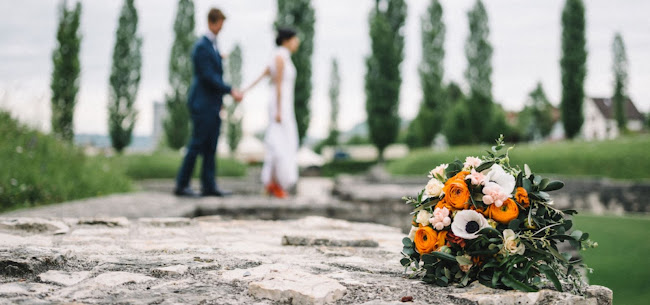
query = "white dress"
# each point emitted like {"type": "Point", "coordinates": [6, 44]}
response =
{"type": "Point", "coordinates": [281, 139]}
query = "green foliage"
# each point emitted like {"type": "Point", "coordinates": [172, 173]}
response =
{"type": "Point", "coordinates": [164, 165]}
{"type": "Point", "coordinates": [65, 76]}
{"type": "Point", "coordinates": [299, 14]}
{"type": "Point", "coordinates": [125, 78]}
{"type": "Point", "coordinates": [383, 78]}
{"type": "Point", "coordinates": [619, 261]}
{"type": "Point", "coordinates": [234, 121]}
{"type": "Point", "coordinates": [573, 66]}
{"type": "Point", "coordinates": [430, 118]}
{"type": "Point", "coordinates": [620, 81]}
{"type": "Point", "coordinates": [334, 90]}
{"type": "Point", "coordinates": [479, 75]}
{"type": "Point", "coordinates": [358, 140]}
{"type": "Point", "coordinates": [562, 158]}
{"type": "Point", "coordinates": [39, 169]}
{"type": "Point", "coordinates": [457, 124]}
{"type": "Point", "coordinates": [176, 124]}
{"type": "Point", "coordinates": [535, 121]}
{"type": "Point", "coordinates": [337, 167]}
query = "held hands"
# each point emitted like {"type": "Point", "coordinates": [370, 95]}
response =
{"type": "Point", "coordinates": [237, 95]}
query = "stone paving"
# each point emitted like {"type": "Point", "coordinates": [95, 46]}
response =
{"type": "Point", "coordinates": [209, 260]}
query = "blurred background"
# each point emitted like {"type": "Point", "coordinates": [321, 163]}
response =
{"type": "Point", "coordinates": [93, 93]}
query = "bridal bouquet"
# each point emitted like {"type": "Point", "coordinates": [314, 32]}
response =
{"type": "Point", "coordinates": [485, 220]}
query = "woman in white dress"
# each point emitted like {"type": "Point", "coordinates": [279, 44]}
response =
{"type": "Point", "coordinates": [280, 170]}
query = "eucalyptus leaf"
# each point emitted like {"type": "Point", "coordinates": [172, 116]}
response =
{"type": "Point", "coordinates": [544, 183]}
{"type": "Point", "coordinates": [443, 256]}
{"type": "Point", "coordinates": [407, 242]}
{"type": "Point", "coordinates": [462, 260]}
{"type": "Point", "coordinates": [527, 170]}
{"type": "Point", "coordinates": [511, 282]}
{"type": "Point", "coordinates": [405, 261]}
{"type": "Point", "coordinates": [553, 186]}
{"type": "Point", "coordinates": [484, 166]}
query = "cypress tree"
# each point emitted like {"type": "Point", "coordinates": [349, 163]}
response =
{"type": "Point", "coordinates": [177, 125]}
{"type": "Point", "coordinates": [620, 81]}
{"type": "Point", "coordinates": [299, 14]}
{"type": "Point", "coordinates": [478, 74]}
{"type": "Point", "coordinates": [125, 77]}
{"type": "Point", "coordinates": [65, 75]}
{"type": "Point", "coordinates": [430, 117]}
{"type": "Point", "coordinates": [573, 66]}
{"type": "Point", "coordinates": [383, 78]}
{"type": "Point", "coordinates": [234, 121]}
{"type": "Point", "coordinates": [334, 90]}
{"type": "Point", "coordinates": [535, 121]}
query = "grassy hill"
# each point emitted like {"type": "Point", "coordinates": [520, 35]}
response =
{"type": "Point", "coordinates": [626, 158]}
{"type": "Point", "coordinates": [38, 169]}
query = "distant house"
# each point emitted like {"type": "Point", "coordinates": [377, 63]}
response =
{"type": "Point", "coordinates": [600, 119]}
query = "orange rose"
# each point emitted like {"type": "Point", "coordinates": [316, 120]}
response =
{"type": "Point", "coordinates": [461, 175]}
{"type": "Point", "coordinates": [504, 214]}
{"type": "Point", "coordinates": [442, 236]}
{"type": "Point", "coordinates": [456, 192]}
{"type": "Point", "coordinates": [425, 240]}
{"type": "Point", "coordinates": [522, 197]}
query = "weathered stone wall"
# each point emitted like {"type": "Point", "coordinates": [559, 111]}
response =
{"type": "Point", "coordinates": [209, 260]}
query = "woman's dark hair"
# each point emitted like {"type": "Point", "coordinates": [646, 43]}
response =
{"type": "Point", "coordinates": [284, 34]}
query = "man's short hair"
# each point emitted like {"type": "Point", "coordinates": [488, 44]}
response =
{"type": "Point", "coordinates": [215, 15]}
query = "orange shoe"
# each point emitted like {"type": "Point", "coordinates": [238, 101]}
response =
{"type": "Point", "coordinates": [279, 192]}
{"type": "Point", "coordinates": [270, 188]}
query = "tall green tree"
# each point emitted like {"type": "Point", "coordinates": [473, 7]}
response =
{"type": "Point", "coordinates": [478, 74]}
{"type": "Point", "coordinates": [334, 91]}
{"type": "Point", "coordinates": [573, 66]}
{"type": "Point", "coordinates": [535, 121]}
{"type": "Point", "coordinates": [65, 76]}
{"type": "Point", "coordinates": [177, 123]}
{"type": "Point", "coordinates": [234, 121]}
{"type": "Point", "coordinates": [383, 78]}
{"type": "Point", "coordinates": [620, 80]}
{"type": "Point", "coordinates": [125, 77]}
{"type": "Point", "coordinates": [456, 127]}
{"type": "Point", "coordinates": [431, 115]}
{"type": "Point", "coordinates": [299, 14]}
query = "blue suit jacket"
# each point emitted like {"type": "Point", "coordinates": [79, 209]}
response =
{"type": "Point", "coordinates": [208, 88]}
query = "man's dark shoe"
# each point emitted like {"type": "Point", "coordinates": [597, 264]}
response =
{"type": "Point", "coordinates": [186, 192]}
{"type": "Point", "coordinates": [217, 193]}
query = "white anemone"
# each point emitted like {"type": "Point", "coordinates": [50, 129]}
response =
{"type": "Point", "coordinates": [467, 223]}
{"type": "Point", "coordinates": [500, 177]}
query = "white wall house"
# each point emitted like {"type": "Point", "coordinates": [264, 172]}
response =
{"type": "Point", "coordinates": [600, 121]}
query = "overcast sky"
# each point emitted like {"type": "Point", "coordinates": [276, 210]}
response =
{"type": "Point", "coordinates": [525, 36]}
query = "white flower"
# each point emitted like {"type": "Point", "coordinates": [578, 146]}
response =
{"type": "Point", "coordinates": [423, 217]}
{"type": "Point", "coordinates": [500, 177]}
{"type": "Point", "coordinates": [476, 178]}
{"type": "Point", "coordinates": [467, 223]}
{"type": "Point", "coordinates": [499, 186]}
{"type": "Point", "coordinates": [471, 162]}
{"type": "Point", "coordinates": [434, 188]}
{"type": "Point", "coordinates": [439, 172]}
{"type": "Point", "coordinates": [511, 243]}
{"type": "Point", "coordinates": [412, 233]}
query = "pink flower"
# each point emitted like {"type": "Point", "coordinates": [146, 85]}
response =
{"type": "Point", "coordinates": [494, 194]}
{"type": "Point", "coordinates": [472, 162]}
{"type": "Point", "coordinates": [440, 218]}
{"type": "Point", "coordinates": [476, 177]}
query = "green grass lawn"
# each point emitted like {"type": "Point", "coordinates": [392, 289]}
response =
{"type": "Point", "coordinates": [625, 158]}
{"type": "Point", "coordinates": [621, 260]}
{"type": "Point", "coordinates": [165, 165]}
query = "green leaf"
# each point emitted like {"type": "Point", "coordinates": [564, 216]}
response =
{"type": "Point", "coordinates": [527, 185]}
{"type": "Point", "coordinates": [553, 186]}
{"type": "Point", "coordinates": [550, 274]}
{"type": "Point", "coordinates": [488, 231]}
{"type": "Point", "coordinates": [511, 282]}
{"type": "Point", "coordinates": [407, 242]}
{"type": "Point", "coordinates": [544, 183]}
{"type": "Point", "coordinates": [429, 259]}
{"type": "Point", "coordinates": [462, 260]}
{"type": "Point", "coordinates": [484, 166]}
{"type": "Point", "coordinates": [514, 224]}
{"type": "Point", "coordinates": [443, 256]}
{"type": "Point", "coordinates": [405, 261]}
{"type": "Point", "coordinates": [527, 171]}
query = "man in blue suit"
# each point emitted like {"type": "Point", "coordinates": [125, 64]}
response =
{"type": "Point", "coordinates": [204, 103]}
